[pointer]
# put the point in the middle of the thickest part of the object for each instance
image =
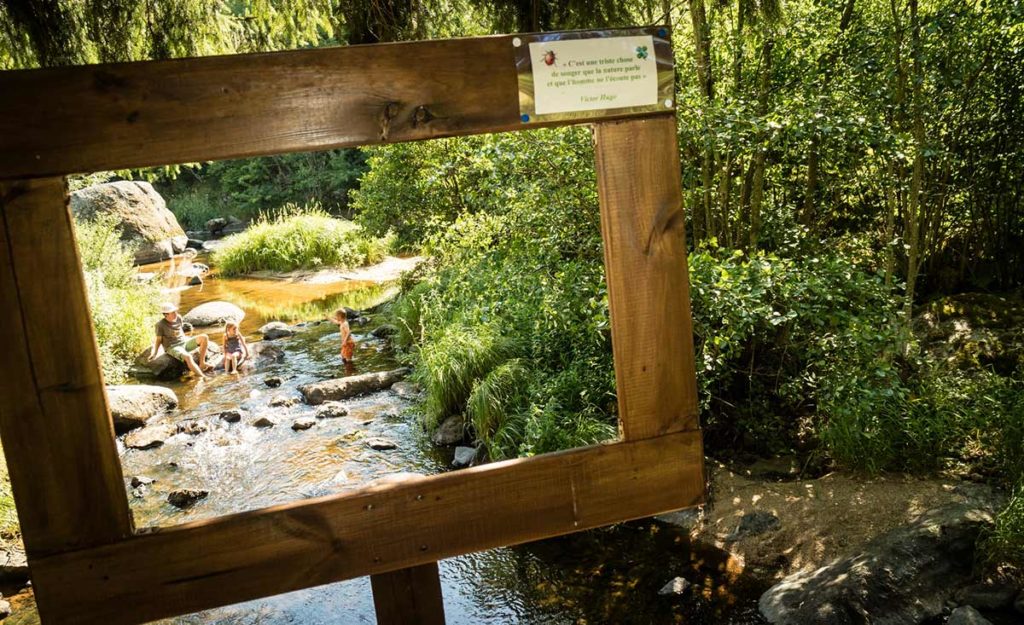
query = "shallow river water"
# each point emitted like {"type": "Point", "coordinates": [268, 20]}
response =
{"type": "Point", "coordinates": [609, 575]}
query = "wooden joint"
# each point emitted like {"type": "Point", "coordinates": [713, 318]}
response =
{"type": "Point", "coordinates": [389, 113]}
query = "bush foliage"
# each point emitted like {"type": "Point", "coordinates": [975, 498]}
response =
{"type": "Point", "coordinates": [122, 307]}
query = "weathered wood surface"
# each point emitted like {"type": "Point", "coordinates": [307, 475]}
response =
{"type": "Point", "coordinates": [642, 223]}
{"type": "Point", "coordinates": [57, 433]}
{"type": "Point", "coordinates": [116, 116]}
{"type": "Point", "coordinates": [316, 393]}
{"type": "Point", "coordinates": [383, 528]}
{"type": "Point", "coordinates": [407, 596]}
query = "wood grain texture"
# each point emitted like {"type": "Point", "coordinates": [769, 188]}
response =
{"type": "Point", "coordinates": [410, 596]}
{"type": "Point", "coordinates": [642, 222]}
{"type": "Point", "coordinates": [116, 116]}
{"type": "Point", "coordinates": [57, 432]}
{"type": "Point", "coordinates": [382, 528]}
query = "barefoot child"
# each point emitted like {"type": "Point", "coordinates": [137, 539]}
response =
{"type": "Point", "coordinates": [348, 344]}
{"type": "Point", "coordinates": [235, 350]}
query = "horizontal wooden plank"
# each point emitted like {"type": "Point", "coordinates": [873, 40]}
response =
{"type": "Point", "coordinates": [386, 527]}
{"type": "Point", "coordinates": [643, 225]}
{"type": "Point", "coordinates": [114, 116]}
{"type": "Point", "coordinates": [57, 432]}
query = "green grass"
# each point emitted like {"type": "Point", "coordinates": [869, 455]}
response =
{"type": "Point", "coordinates": [298, 239]}
{"type": "Point", "coordinates": [495, 408]}
{"type": "Point", "coordinates": [1005, 544]}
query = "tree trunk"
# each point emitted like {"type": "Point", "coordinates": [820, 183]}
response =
{"type": "Point", "coordinates": [761, 153]}
{"type": "Point", "coordinates": [702, 59]}
{"type": "Point", "coordinates": [917, 180]}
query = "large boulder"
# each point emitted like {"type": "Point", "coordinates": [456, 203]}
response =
{"type": "Point", "coordinates": [164, 367]}
{"type": "Point", "coordinates": [214, 313]}
{"type": "Point", "coordinates": [141, 213]}
{"type": "Point", "coordinates": [904, 577]}
{"type": "Point", "coordinates": [276, 330]}
{"type": "Point", "coordinates": [132, 405]}
{"type": "Point", "coordinates": [317, 393]}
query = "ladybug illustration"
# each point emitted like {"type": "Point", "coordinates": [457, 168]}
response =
{"type": "Point", "coordinates": [549, 57]}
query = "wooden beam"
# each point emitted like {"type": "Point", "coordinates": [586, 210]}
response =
{"type": "Point", "coordinates": [382, 528]}
{"type": "Point", "coordinates": [116, 116]}
{"type": "Point", "coordinates": [642, 222]}
{"type": "Point", "coordinates": [57, 432]}
{"type": "Point", "coordinates": [411, 595]}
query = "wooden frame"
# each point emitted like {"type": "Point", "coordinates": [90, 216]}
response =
{"type": "Point", "coordinates": [88, 564]}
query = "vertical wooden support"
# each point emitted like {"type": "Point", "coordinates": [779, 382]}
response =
{"type": "Point", "coordinates": [410, 596]}
{"type": "Point", "coordinates": [642, 222]}
{"type": "Point", "coordinates": [57, 433]}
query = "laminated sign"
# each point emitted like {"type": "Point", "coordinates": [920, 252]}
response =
{"type": "Point", "coordinates": [594, 74]}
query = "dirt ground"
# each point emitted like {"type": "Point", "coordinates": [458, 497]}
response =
{"type": "Point", "coordinates": [819, 519]}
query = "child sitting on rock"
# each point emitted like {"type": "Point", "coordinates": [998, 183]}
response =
{"type": "Point", "coordinates": [348, 344]}
{"type": "Point", "coordinates": [235, 349]}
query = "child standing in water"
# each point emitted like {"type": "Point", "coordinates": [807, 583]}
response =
{"type": "Point", "coordinates": [348, 344]}
{"type": "Point", "coordinates": [235, 349]}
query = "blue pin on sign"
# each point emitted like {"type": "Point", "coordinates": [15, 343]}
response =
{"type": "Point", "coordinates": [524, 118]}
{"type": "Point", "coordinates": [662, 32]}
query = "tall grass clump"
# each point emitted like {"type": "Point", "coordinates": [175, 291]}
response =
{"type": "Point", "coordinates": [299, 238]}
{"type": "Point", "coordinates": [496, 407]}
{"type": "Point", "coordinates": [453, 363]}
{"type": "Point", "coordinates": [122, 307]}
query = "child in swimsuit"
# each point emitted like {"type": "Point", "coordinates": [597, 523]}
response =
{"type": "Point", "coordinates": [348, 344]}
{"type": "Point", "coordinates": [235, 349]}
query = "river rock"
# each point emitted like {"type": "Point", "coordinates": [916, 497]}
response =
{"type": "Point", "coordinates": [283, 401]}
{"type": "Point", "coordinates": [675, 586]}
{"type": "Point", "coordinates": [5, 608]}
{"type": "Point", "coordinates": [687, 519]}
{"type": "Point", "coordinates": [164, 367]}
{"type": "Point", "coordinates": [902, 577]}
{"type": "Point", "coordinates": [141, 480]}
{"type": "Point", "coordinates": [351, 386]}
{"type": "Point", "coordinates": [384, 331]}
{"type": "Point", "coordinates": [276, 330]}
{"type": "Point", "coordinates": [263, 422]}
{"type": "Point", "coordinates": [192, 427]}
{"type": "Point", "coordinates": [452, 431]}
{"type": "Point", "coordinates": [987, 596]}
{"type": "Point", "coordinates": [214, 313]}
{"type": "Point", "coordinates": [966, 615]}
{"type": "Point", "coordinates": [380, 444]}
{"type": "Point", "coordinates": [232, 416]}
{"type": "Point", "coordinates": [331, 410]}
{"type": "Point", "coordinates": [139, 492]}
{"type": "Point", "coordinates": [186, 498]}
{"type": "Point", "coordinates": [212, 246]}
{"type": "Point", "coordinates": [753, 524]}
{"type": "Point", "coordinates": [149, 437]}
{"type": "Point", "coordinates": [273, 381]}
{"type": "Point", "coordinates": [265, 353]}
{"type": "Point", "coordinates": [13, 564]}
{"type": "Point", "coordinates": [194, 244]}
{"type": "Point", "coordinates": [132, 405]}
{"type": "Point", "coordinates": [407, 390]}
{"type": "Point", "coordinates": [303, 424]}
{"type": "Point", "coordinates": [463, 457]}
{"type": "Point", "coordinates": [141, 214]}
{"type": "Point", "coordinates": [216, 226]}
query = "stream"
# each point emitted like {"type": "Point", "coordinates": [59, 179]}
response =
{"type": "Point", "coordinates": [609, 575]}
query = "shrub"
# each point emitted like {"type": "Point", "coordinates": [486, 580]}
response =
{"type": "Point", "coordinates": [122, 308]}
{"type": "Point", "coordinates": [298, 239]}
{"type": "Point", "coordinates": [1005, 544]}
{"type": "Point", "coordinates": [196, 205]}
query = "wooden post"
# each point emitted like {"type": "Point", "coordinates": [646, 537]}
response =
{"type": "Point", "coordinates": [642, 222]}
{"type": "Point", "coordinates": [409, 596]}
{"type": "Point", "coordinates": [57, 433]}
